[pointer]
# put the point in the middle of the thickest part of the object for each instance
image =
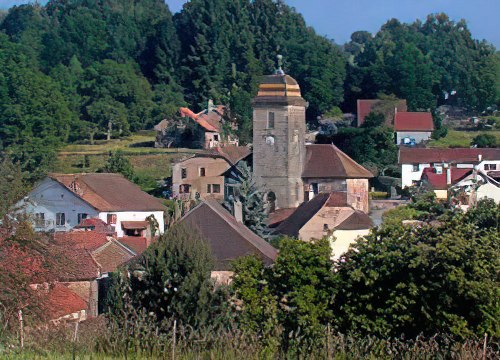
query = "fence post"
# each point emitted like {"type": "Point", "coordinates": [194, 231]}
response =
{"type": "Point", "coordinates": [174, 340]}
{"type": "Point", "coordinates": [75, 337]}
{"type": "Point", "coordinates": [21, 328]}
{"type": "Point", "coordinates": [484, 345]}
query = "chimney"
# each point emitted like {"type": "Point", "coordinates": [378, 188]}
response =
{"type": "Point", "coordinates": [238, 211]}
{"type": "Point", "coordinates": [480, 158]}
{"type": "Point", "coordinates": [448, 176]}
{"type": "Point", "coordinates": [210, 105]}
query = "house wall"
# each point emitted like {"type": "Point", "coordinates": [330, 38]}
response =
{"type": "Point", "coordinates": [419, 136]}
{"type": "Point", "coordinates": [488, 191]}
{"type": "Point", "coordinates": [214, 170]}
{"type": "Point", "coordinates": [88, 291]}
{"type": "Point", "coordinates": [342, 239]}
{"type": "Point", "coordinates": [279, 152]}
{"type": "Point", "coordinates": [332, 216]}
{"type": "Point", "coordinates": [408, 175]}
{"type": "Point", "coordinates": [441, 194]}
{"type": "Point", "coordinates": [50, 197]}
{"type": "Point", "coordinates": [133, 216]}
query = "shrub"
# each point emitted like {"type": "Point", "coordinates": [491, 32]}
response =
{"type": "Point", "coordinates": [484, 141]}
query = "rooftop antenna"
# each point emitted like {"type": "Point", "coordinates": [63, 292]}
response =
{"type": "Point", "coordinates": [280, 64]}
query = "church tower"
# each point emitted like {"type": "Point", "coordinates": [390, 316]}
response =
{"type": "Point", "coordinates": [279, 127]}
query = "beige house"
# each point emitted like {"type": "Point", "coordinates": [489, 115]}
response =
{"type": "Point", "coordinates": [327, 215]}
{"type": "Point", "coordinates": [203, 174]}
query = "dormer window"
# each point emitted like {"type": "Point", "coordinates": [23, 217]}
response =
{"type": "Point", "coordinates": [270, 120]}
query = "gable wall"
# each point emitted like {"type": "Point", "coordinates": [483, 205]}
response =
{"type": "Point", "coordinates": [314, 228]}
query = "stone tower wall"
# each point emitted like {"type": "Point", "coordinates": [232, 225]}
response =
{"type": "Point", "coordinates": [279, 153]}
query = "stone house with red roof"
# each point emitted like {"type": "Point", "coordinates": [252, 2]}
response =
{"type": "Point", "coordinates": [211, 131]}
{"type": "Point", "coordinates": [61, 202]}
{"type": "Point", "coordinates": [204, 174]}
{"type": "Point", "coordinates": [327, 215]}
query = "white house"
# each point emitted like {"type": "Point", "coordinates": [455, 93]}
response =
{"type": "Point", "coordinates": [413, 127]}
{"type": "Point", "coordinates": [61, 201]}
{"type": "Point", "coordinates": [413, 161]}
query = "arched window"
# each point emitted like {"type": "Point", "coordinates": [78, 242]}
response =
{"type": "Point", "coordinates": [271, 200]}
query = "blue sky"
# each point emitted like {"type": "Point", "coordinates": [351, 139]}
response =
{"type": "Point", "coordinates": [337, 19]}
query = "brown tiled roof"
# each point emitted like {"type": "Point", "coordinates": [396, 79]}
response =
{"type": "Point", "coordinates": [278, 216]}
{"type": "Point", "coordinates": [228, 238]}
{"type": "Point", "coordinates": [112, 255]}
{"type": "Point", "coordinates": [365, 107]}
{"type": "Point", "coordinates": [79, 265]}
{"type": "Point", "coordinates": [108, 192]}
{"type": "Point", "coordinates": [61, 301]}
{"type": "Point", "coordinates": [413, 121]}
{"type": "Point", "coordinates": [357, 221]}
{"type": "Point", "coordinates": [232, 154]}
{"type": "Point", "coordinates": [136, 244]}
{"type": "Point", "coordinates": [328, 161]}
{"type": "Point", "coordinates": [305, 212]}
{"type": "Point", "coordinates": [132, 225]}
{"type": "Point", "coordinates": [408, 155]}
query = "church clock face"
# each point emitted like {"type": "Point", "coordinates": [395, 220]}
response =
{"type": "Point", "coordinates": [270, 140]}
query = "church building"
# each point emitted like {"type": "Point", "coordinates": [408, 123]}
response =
{"type": "Point", "coordinates": [289, 170]}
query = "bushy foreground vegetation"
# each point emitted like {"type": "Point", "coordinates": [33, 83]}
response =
{"type": "Point", "coordinates": [425, 289]}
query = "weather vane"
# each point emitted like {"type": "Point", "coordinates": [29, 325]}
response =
{"type": "Point", "coordinates": [280, 64]}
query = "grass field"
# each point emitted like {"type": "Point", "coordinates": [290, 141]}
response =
{"type": "Point", "coordinates": [461, 138]}
{"type": "Point", "coordinates": [149, 163]}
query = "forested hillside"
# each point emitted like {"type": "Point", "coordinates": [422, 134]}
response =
{"type": "Point", "coordinates": [86, 69]}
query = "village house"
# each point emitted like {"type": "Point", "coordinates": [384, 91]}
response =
{"type": "Point", "coordinates": [413, 127]}
{"type": "Point", "coordinates": [207, 174]}
{"type": "Point", "coordinates": [61, 201]}
{"type": "Point", "coordinates": [290, 171]}
{"type": "Point", "coordinates": [388, 107]}
{"type": "Point", "coordinates": [227, 237]}
{"type": "Point", "coordinates": [327, 215]}
{"type": "Point", "coordinates": [414, 161]}
{"type": "Point", "coordinates": [212, 129]}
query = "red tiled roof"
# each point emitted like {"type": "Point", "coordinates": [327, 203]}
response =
{"type": "Point", "coordinates": [95, 224]}
{"type": "Point", "coordinates": [439, 181]}
{"type": "Point", "coordinates": [89, 240]}
{"type": "Point", "coordinates": [210, 120]}
{"type": "Point", "coordinates": [328, 161]}
{"type": "Point", "coordinates": [61, 301]}
{"type": "Point", "coordinates": [408, 155]}
{"type": "Point", "coordinates": [108, 192]}
{"type": "Point", "coordinates": [227, 238]}
{"type": "Point", "coordinates": [365, 107]}
{"type": "Point", "coordinates": [136, 244]}
{"type": "Point", "coordinates": [278, 216]}
{"type": "Point", "coordinates": [413, 121]}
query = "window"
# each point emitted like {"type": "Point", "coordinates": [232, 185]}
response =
{"type": "Point", "coordinates": [325, 227]}
{"type": "Point", "coordinates": [216, 137]}
{"type": "Point", "coordinates": [111, 219]}
{"type": "Point", "coordinates": [183, 173]}
{"type": "Point", "coordinates": [184, 189]}
{"type": "Point", "coordinates": [216, 188]}
{"type": "Point", "coordinates": [202, 171]}
{"type": "Point", "coordinates": [490, 166]}
{"type": "Point", "coordinates": [60, 219]}
{"type": "Point", "coordinates": [82, 216]}
{"type": "Point", "coordinates": [40, 219]}
{"type": "Point", "coordinates": [209, 188]}
{"type": "Point", "coordinates": [416, 168]}
{"type": "Point", "coordinates": [270, 120]}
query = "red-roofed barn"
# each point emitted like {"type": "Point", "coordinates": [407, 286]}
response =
{"type": "Point", "coordinates": [413, 127]}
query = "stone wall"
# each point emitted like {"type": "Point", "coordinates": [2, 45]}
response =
{"type": "Point", "coordinates": [88, 291]}
{"type": "Point", "coordinates": [358, 194]}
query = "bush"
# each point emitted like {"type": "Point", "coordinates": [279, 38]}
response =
{"type": "Point", "coordinates": [484, 141]}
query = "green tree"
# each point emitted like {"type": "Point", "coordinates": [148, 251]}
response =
{"type": "Point", "coordinates": [172, 281]}
{"type": "Point", "coordinates": [484, 141]}
{"type": "Point", "coordinates": [442, 278]}
{"type": "Point", "coordinates": [117, 163]}
{"type": "Point", "coordinates": [12, 184]}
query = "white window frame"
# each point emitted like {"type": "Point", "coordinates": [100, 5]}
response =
{"type": "Point", "coordinates": [59, 217]}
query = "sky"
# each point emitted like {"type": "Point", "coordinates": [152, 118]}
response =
{"type": "Point", "coordinates": [338, 19]}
